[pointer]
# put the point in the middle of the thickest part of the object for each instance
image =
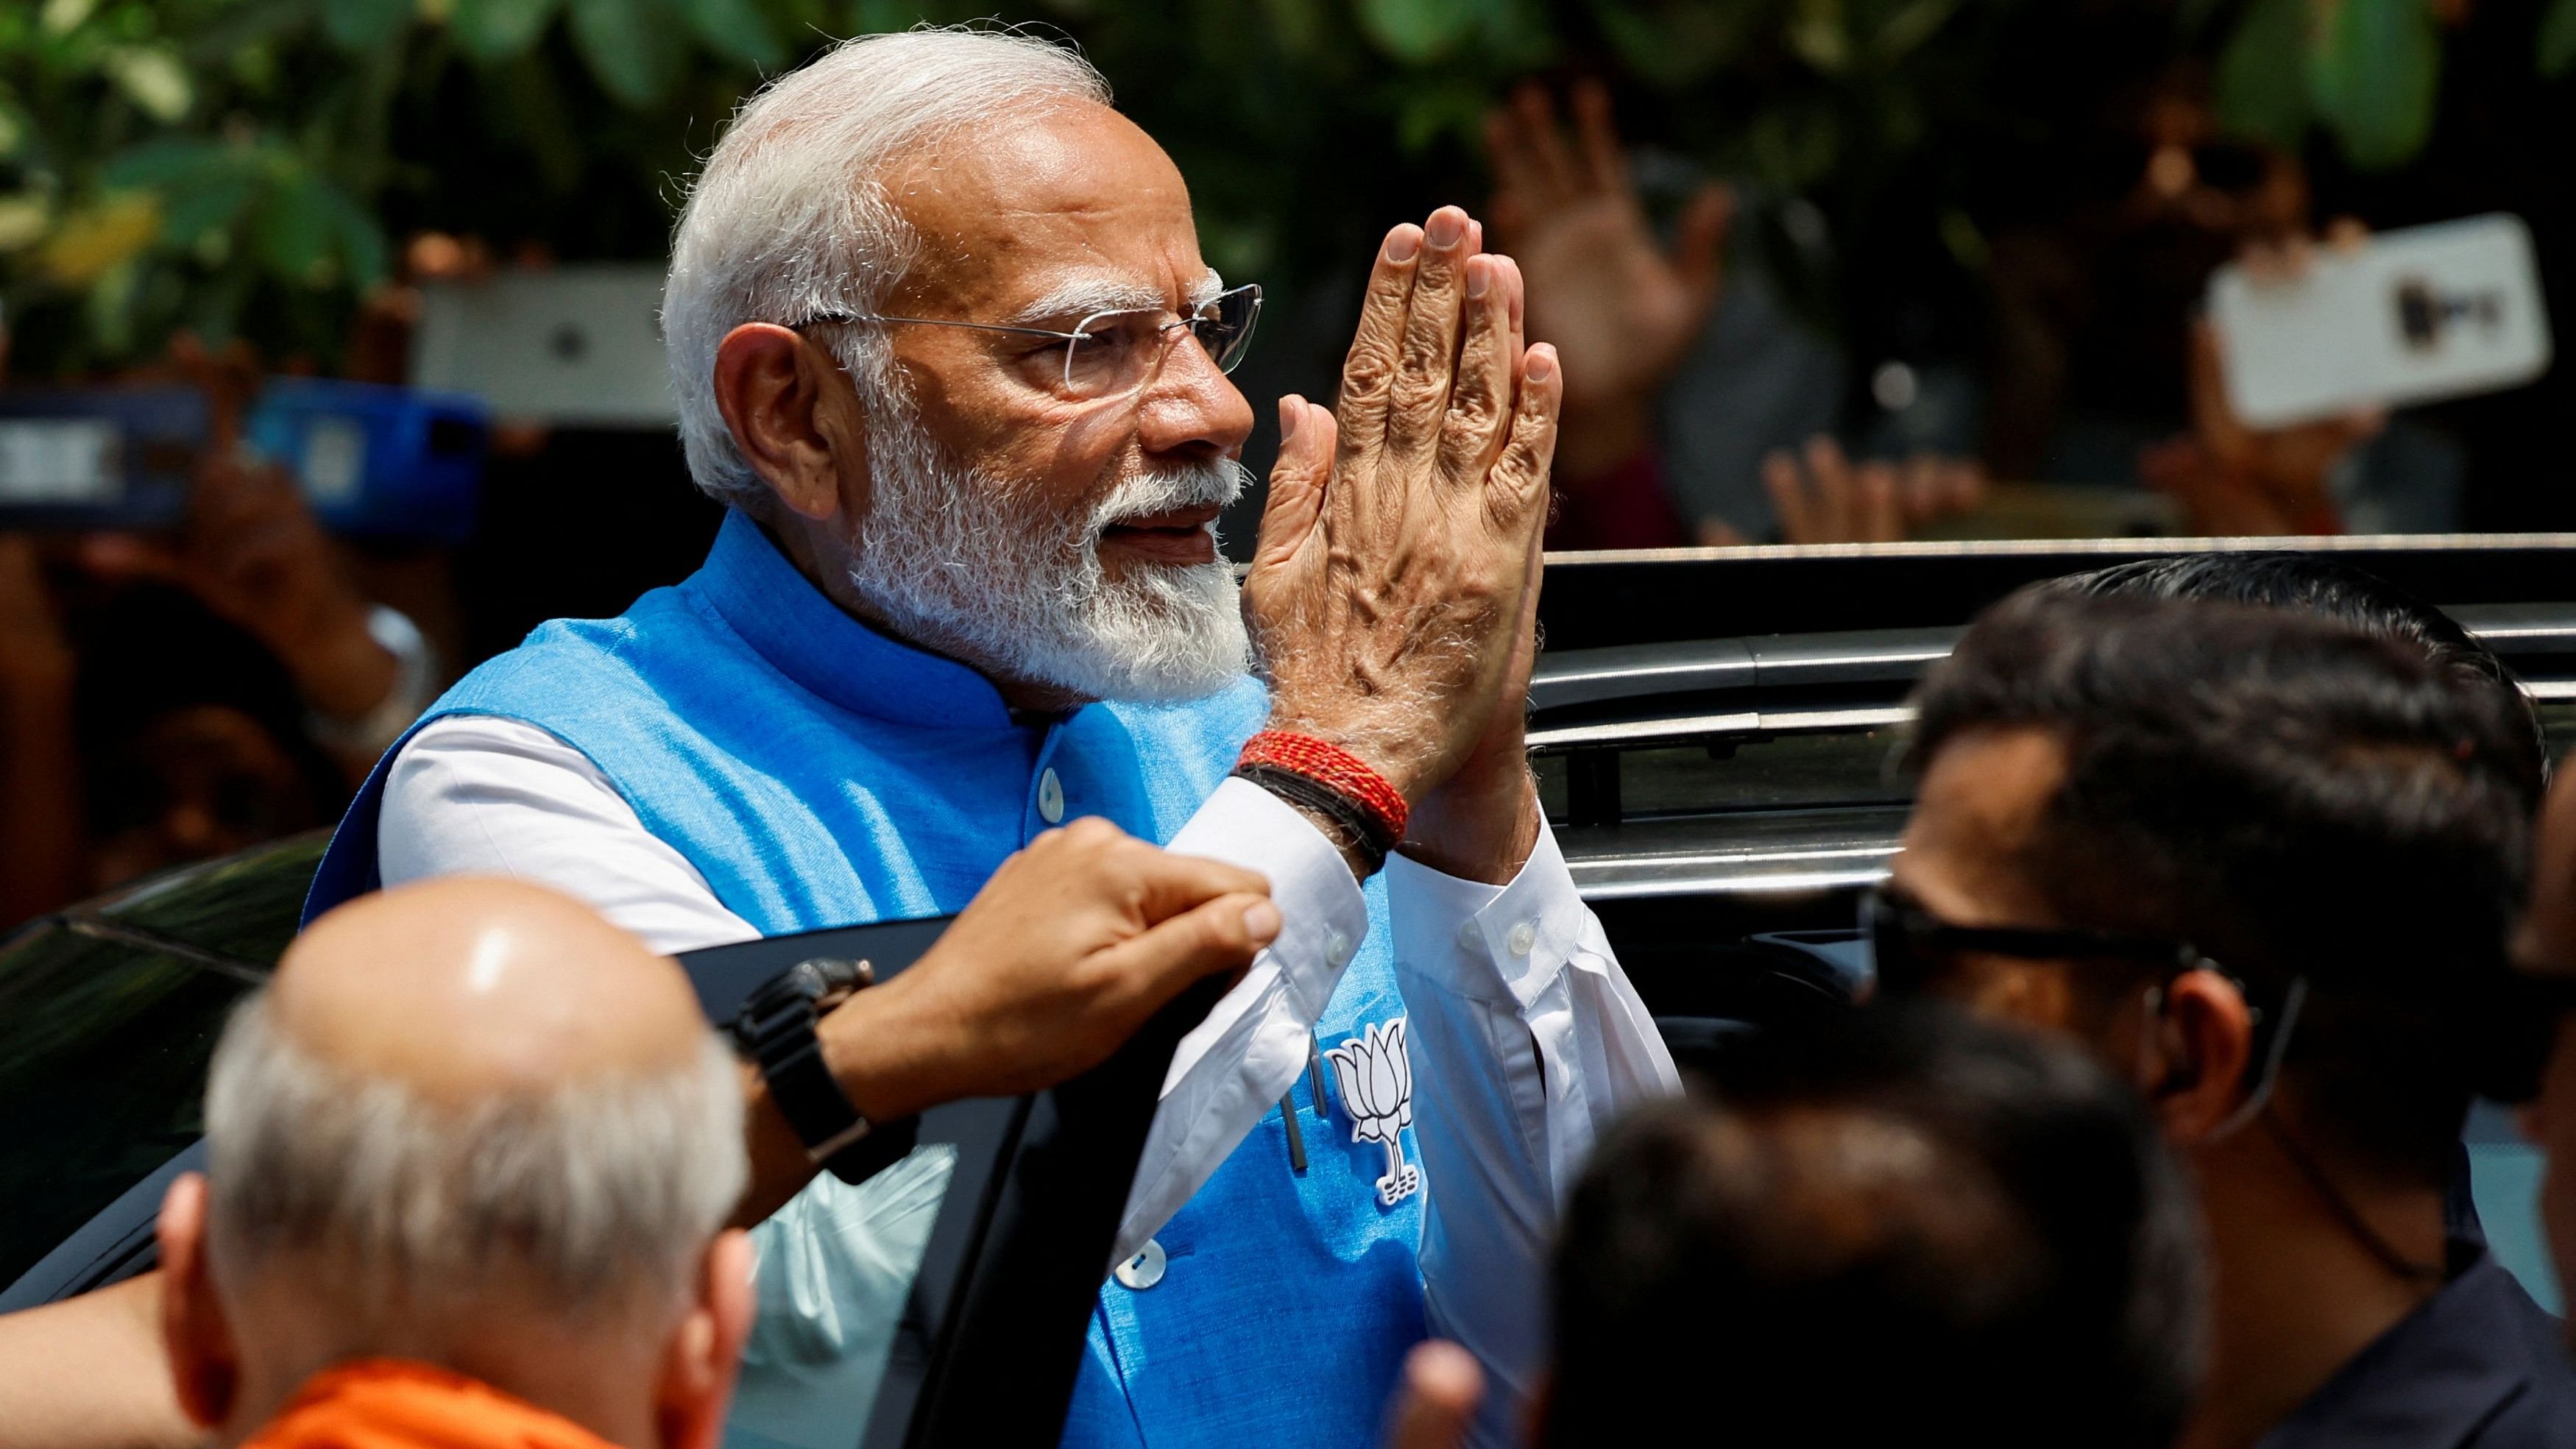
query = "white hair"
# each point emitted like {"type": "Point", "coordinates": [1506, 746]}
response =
{"type": "Point", "coordinates": [597, 1196]}
{"type": "Point", "coordinates": [791, 219]}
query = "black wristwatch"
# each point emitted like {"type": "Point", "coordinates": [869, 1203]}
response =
{"type": "Point", "coordinates": [775, 1028]}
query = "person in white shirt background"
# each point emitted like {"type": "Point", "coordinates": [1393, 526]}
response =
{"type": "Point", "coordinates": [955, 498]}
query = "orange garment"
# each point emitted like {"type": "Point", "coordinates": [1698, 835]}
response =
{"type": "Point", "coordinates": [385, 1403]}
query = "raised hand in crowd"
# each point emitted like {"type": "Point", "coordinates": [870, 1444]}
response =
{"type": "Point", "coordinates": [1063, 954]}
{"type": "Point", "coordinates": [2233, 479]}
{"type": "Point", "coordinates": [252, 550]}
{"type": "Point", "coordinates": [1822, 496]}
{"type": "Point", "coordinates": [1619, 305]}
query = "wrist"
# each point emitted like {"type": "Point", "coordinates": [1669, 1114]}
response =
{"type": "Point", "coordinates": [344, 673]}
{"type": "Point", "coordinates": [1481, 830]}
{"type": "Point", "coordinates": [1396, 751]}
{"type": "Point", "coordinates": [891, 1059]}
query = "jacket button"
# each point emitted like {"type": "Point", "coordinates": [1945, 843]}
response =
{"type": "Point", "coordinates": [1142, 1271]}
{"type": "Point", "coordinates": [1050, 797]}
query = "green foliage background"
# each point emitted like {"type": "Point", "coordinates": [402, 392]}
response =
{"type": "Point", "coordinates": [242, 167]}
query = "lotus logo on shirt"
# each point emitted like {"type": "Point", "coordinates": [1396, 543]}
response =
{"type": "Point", "coordinates": [1376, 1078]}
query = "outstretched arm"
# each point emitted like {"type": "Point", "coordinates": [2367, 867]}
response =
{"type": "Point", "coordinates": [89, 1373]}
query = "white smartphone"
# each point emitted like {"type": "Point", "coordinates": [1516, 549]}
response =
{"type": "Point", "coordinates": [2410, 316]}
{"type": "Point", "coordinates": [570, 346]}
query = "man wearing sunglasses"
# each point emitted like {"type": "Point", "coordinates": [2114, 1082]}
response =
{"type": "Point", "coordinates": [942, 339]}
{"type": "Point", "coordinates": [2266, 866]}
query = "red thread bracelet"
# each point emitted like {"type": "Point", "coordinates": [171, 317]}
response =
{"type": "Point", "coordinates": [1333, 767]}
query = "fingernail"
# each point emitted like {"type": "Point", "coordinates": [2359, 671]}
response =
{"type": "Point", "coordinates": [1261, 922]}
{"type": "Point", "coordinates": [1447, 225]}
{"type": "Point", "coordinates": [1479, 279]}
{"type": "Point", "coordinates": [1402, 243]}
{"type": "Point", "coordinates": [1292, 410]}
{"type": "Point", "coordinates": [1542, 364]}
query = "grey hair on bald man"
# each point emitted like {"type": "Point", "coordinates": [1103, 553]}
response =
{"type": "Point", "coordinates": [597, 1196]}
{"type": "Point", "coordinates": [790, 217]}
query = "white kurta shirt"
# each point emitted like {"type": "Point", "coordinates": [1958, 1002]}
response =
{"type": "Point", "coordinates": [1525, 1037]}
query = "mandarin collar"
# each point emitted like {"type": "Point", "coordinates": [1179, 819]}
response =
{"type": "Point", "coordinates": [787, 621]}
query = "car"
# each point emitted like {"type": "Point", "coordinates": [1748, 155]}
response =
{"type": "Point", "coordinates": [1713, 734]}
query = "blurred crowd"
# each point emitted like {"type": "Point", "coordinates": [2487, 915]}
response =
{"type": "Point", "coordinates": [176, 696]}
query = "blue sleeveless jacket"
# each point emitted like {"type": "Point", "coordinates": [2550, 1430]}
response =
{"type": "Point", "coordinates": [819, 774]}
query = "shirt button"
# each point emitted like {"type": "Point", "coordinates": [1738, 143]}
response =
{"type": "Point", "coordinates": [1523, 937]}
{"type": "Point", "coordinates": [1471, 938]}
{"type": "Point", "coordinates": [1050, 797]}
{"type": "Point", "coordinates": [1337, 950]}
{"type": "Point", "coordinates": [1144, 1270]}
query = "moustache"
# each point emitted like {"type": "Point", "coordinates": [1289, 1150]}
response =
{"type": "Point", "coordinates": [1168, 490]}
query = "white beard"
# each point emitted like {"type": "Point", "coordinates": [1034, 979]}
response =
{"type": "Point", "coordinates": [951, 560]}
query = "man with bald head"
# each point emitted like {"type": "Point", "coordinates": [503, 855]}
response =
{"type": "Point", "coordinates": [470, 1157]}
{"type": "Point", "coordinates": [942, 340]}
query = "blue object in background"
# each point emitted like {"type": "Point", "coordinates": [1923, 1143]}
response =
{"type": "Point", "coordinates": [374, 461]}
{"type": "Point", "coordinates": [103, 457]}
{"type": "Point", "coordinates": [2504, 1177]}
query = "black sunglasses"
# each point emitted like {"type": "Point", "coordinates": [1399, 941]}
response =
{"type": "Point", "coordinates": [1910, 946]}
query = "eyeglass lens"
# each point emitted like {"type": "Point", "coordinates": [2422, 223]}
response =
{"type": "Point", "coordinates": [1118, 352]}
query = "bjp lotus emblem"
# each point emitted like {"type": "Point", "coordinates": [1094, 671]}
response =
{"type": "Point", "coordinates": [1376, 1078]}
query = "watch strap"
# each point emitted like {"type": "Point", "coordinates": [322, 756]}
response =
{"type": "Point", "coordinates": [776, 1027]}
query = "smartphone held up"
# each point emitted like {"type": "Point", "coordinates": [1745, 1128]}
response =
{"type": "Point", "coordinates": [2410, 316]}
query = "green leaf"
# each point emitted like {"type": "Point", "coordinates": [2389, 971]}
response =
{"type": "Point", "coordinates": [1680, 44]}
{"type": "Point", "coordinates": [365, 24]}
{"type": "Point", "coordinates": [877, 17]}
{"type": "Point", "coordinates": [153, 79]}
{"type": "Point", "coordinates": [2557, 44]}
{"type": "Point", "coordinates": [157, 164]}
{"type": "Point", "coordinates": [358, 238]}
{"type": "Point", "coordinates": [629, 47]}
{"type": "Point", "coordinates": [211, 200]}
{"type": "Point", "coordinates": [294, 230]}
{"type": "Point", "coordinates": [2375, 74]}
{"type": "Point", "coordinates": [499, 29]}
{"type": "Point", "coordinates": [2262, 87]}
{"type": "Point", "coordinates": [1415, 30]}
{"type": "Point", "coordinates": [736, 30]}
{"type": "Point", "coordinates": [1817, 33]}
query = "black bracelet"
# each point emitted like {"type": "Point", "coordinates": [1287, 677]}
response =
{"type": "Point", "coordinates": [1361, 831]}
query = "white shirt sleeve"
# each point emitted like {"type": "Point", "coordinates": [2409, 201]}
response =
{"type": "Point", "coordinates": [475, 794]}
{"type": "Point", "coordinates": [1233, 1067]}
{"type": "Point", "coordinates": [1526, 1040]}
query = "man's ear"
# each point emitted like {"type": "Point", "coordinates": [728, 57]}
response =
{"type": "Point", "coordinates": [204, 1365]}
{"type": "Point", "coordinates": [705, 1350]}
{"type": "Point", "coordinates": [2200, 1055]}
{"type": "Point", "coordinates": [792, 414]}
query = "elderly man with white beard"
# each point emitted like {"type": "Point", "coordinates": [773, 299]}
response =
{"type": "Point", "coordinates": [941, 337]}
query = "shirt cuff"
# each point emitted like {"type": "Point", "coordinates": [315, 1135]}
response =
{"type": "Point", "coordinates": [1504, 944]}
{"type": "Point", "coordinates": [1322, 916]}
